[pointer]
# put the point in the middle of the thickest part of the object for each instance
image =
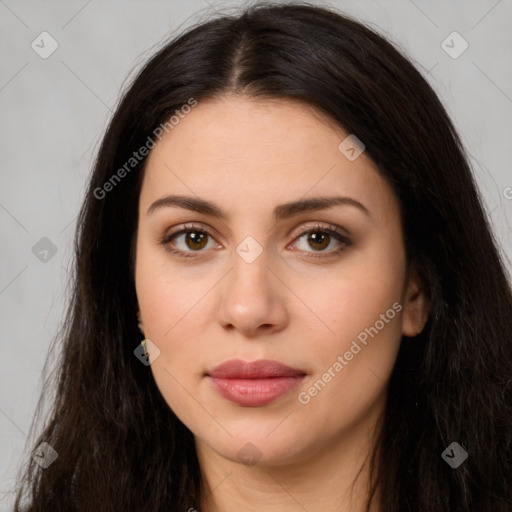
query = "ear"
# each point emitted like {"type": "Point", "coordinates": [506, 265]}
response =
{"type": "Point", "coordinates": [141, 325]}
{"type": "Point", "coordinates": [416, 307]}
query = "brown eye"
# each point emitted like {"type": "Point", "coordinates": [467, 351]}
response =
{"type": "Point", "coordinates": [192, 239]}
{"type": "Point", "coordinates": [195, 240]}
{"type": "Point", "coordinates": [318, 239]}
{"type": "Point", "coordinates": [186, 241]}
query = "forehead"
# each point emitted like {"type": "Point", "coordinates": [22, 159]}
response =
{"type": "Point", "coordinates": [235, 151]}
{"type": "Point", "coordinates": [237, 128]}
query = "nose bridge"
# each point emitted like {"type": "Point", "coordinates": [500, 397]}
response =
{"type": "Point", "coordinates": [250, 274]}
{"type": "Point", "coordinates": [249, 296]}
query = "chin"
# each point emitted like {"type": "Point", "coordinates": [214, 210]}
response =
{"type": "Point", "coordinates": [261, 449]}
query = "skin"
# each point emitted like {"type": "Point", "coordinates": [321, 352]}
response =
{"type": "Point", "coordinates": [247, 157]}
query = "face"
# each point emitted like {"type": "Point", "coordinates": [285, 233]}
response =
{"type": "Point", "coordinates": [250, 277]}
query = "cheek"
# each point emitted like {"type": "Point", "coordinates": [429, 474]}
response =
{"type": "Point", "coordinates": [356, 293]}
{"type": "Point", "coordinates": [173, 314]}
{"type": "Point", "coordinates": [168, 303]}
{"type": "Point", "coordinates": [166, 294]}
{"type": "Point", "coordinates": [360, 309]}
{"type": "Point", "coordinates": [170, 309]}
{"type": "Point", "coordinates": [362, 324]}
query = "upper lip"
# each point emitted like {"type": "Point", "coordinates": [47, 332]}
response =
{"type": "Point", "coordinates": [260, 369]}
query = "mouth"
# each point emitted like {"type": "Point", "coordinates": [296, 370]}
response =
{"type": "Point", "coordinates": [256, 383]}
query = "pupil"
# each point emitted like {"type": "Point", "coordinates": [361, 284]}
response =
{"type": "Point", "coordinates": [315, 238]}
{"type": "Point", "coordinates": [194, 238]}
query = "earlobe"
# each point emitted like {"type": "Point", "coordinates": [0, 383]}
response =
{"type": "Point", "coordinates": [416, 308]}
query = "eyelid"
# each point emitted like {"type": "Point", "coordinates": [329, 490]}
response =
{"type": "Point", "coordinates": [188, 226]}
{"type": "Point", "coordinates": [321, 226]}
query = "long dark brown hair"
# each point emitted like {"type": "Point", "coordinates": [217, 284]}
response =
{"type": "Point", "coordinates": [120, 446]}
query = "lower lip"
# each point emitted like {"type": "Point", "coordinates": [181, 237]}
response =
{"type": "Point", "coordinates": [255, 392]}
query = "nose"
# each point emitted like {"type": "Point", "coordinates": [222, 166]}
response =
{"type": "Point", "coordinates": [252, 298]}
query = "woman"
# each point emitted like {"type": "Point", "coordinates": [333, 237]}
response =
{"type": "Point", "coordinates": [282, 212]}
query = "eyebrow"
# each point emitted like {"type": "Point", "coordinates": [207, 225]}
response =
{"type": "Point", "coordinates": [281, 212]}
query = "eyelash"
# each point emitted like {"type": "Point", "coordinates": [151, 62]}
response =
{"type": "Point", "coordinates": [330, 230]}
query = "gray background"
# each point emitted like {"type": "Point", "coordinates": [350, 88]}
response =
{"type": "Point", "coordinates": [54, 111]}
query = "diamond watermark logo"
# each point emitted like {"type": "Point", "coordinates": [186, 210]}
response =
{"type": "Point", "coordinates": [351, 147]}
{"type": "Point", "coordinates": [148, 356]}
{"type": "Point", "coordinates": [44, 45]}
{"type": "Point", "coordinates": [454, 45]}
{"type": "Point", "coordinates": [249, 249]}
{"type": "Point", "coordinates": [44, 250]}
{"type": "Point", "coordinates": [44, 455]}
{"type": "Point", "coordinates": [454, 455]}
{"type": "Point", "coordinates": [249, 454]}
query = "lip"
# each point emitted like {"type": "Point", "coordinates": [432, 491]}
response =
{"type": "Point", "coordinates": [254, 383]}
